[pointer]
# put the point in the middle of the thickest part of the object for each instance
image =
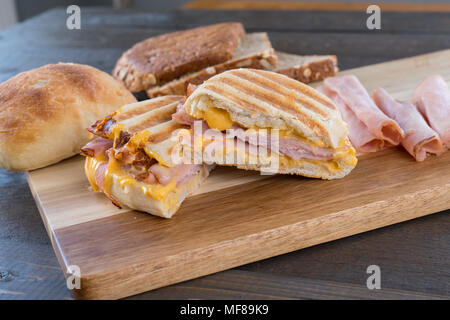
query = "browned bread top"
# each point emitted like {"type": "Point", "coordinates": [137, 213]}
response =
{"type": "Point", "coordinates": [254, 51]}
{"type": "Point", "coordinates": [137, 116]}
{"type": "Point", "coordinates": [163, 58]}
{"type": "Point", "coordinates": [44, 112]}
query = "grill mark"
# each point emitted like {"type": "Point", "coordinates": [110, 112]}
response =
{"type": "Point", "coordinates": [269, 84]}
{"type": "Point", "coordinates": [270, 98]}
{"type": "Point", "coordinates": [238, 100]}
{"type": "Point", "coordinates": [151, 121]}
{"type": "Point", "coordinates": [317, 96]}
{"type": "Point", "coordinates": [151, 105]}
{"type": "Point", "coordinates": [306, 90]}
{"type": "Point", "coordinates": [165, 132]}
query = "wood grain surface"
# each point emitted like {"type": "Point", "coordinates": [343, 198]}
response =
{"type": "Point", "coordinates": [239, 217]}
{"type": "Point", "coordinates": [323, 6]}
{"type": "Point", "coordinates": [413, 256]}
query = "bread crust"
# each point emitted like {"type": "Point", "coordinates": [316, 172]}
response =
{"type": "Point", "coordinates": [257, 98]}
{"type": "Point", "coordinates": [44, 112]}
{"type": "Point", "coordinates": [179, 86]}
{"type": "Point", "coordinates": [133, 197]}
{"type": "Point", "coordinates": [258, 59]}
{"type": "Point", "coordinates": [307, 71]}
{"type": "Point", "coordinates": [263, 99]}
{"type": "Point", "coordinates": [163, 58]}
{"type": "Point", "coordinates": [304, 168]}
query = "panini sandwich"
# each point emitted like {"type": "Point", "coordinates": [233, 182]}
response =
{"type": "Point", "coordinates": [131, 159]}
{"type": "Point", "coordinates": [167, 63]}
{"type": "Point", "coordinates": [312, 137]}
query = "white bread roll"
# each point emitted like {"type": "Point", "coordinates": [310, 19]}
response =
{"type": "Point", "coordinates": [44, 112]}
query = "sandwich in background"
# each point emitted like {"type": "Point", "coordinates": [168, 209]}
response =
{"type": "Point", "coordinates": [44, 112]}
{"type": "Point", "coordinates": [165, 64]}
{"type": "Point", "coordinates": [305, 69]}
{"type": "Point", "coordinates": [243, 104]}
{"type": "Point", "coordinates": [131, 160]}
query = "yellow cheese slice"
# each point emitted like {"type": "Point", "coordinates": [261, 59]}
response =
{"type": "Point", "coordinates": [156, 191]}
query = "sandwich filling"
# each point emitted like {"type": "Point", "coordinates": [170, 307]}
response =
{"type": "Point", "coordinates": [102, 168]}
{"type": "Point", "coordinates": [292, 148]}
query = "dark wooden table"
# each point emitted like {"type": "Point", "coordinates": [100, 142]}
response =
{"type": "Point", "coordinates": [413, 256]}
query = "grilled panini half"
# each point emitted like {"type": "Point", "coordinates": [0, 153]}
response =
{"type": "Point", "coordinates": [311, 137]}
{"type": "Point", "coordinates": [131, 160]}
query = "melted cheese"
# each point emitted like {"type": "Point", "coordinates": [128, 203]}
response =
{"type": "Point", "coordinates": [115, 173]}
{"type": "Point", "coordinates": [158, 191]}
{"type": "Point", "coordinates": [330, 166]}
{"type": "Point", "coordinates": [217, 118]}
{"type": "Point", "coordinates": [220, 119]}
{"type": "Point", "coordinates": [141, 139]}
{"type": "Point", "coordinates": [90, 167]}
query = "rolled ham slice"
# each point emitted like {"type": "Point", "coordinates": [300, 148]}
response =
{"type": "Point", "coordinates": [359, 134]}
{"type": "Point", "coordinates": [432, 97]}
{"type": "Point", "coordinates": [419, 138]}
{"type": "Point", "coordinates": [355, 96]}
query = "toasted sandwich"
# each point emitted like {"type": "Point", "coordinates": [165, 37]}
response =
{"type": "Point", "coordinates": [296, 126]}
{"type": "Point", "coordinates": [305, 69]}
{"type": "Point", "coordinates": [165, 64]}
{"type": "Point", "coordinates": [131, 160]}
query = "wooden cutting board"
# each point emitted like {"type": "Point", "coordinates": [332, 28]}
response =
{"type": "Point", "coordinates": [238, 217]}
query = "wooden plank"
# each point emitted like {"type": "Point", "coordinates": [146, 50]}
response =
{"type": "Point", "coordinates": [30, 272]}
{"type": "Point", "coordinates": [411, 257]}
{"type": "Point", "coordinates": [384, 189]}
{"type": "Point", "coordinates": [238, 284]}
{"type": "Point", "coordinates": [313, 6]}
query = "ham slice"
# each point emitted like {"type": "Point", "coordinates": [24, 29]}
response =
{"type": "Point", "coordinates": [419, 138]}
{"type": "Point", "coordinates": [432, 97]}
{"type": "Point", "coordinates": [356, 98]}
{"type": "Point", "coordinates": [100, 175]}
{"type": "Point", "coordinates": [359, 134]}
{"type": "Point", "coordinates": [296, 149]}
{"type": "Point", "coordinates": [182, 117]}
{"type": "Point", "coordinates": [146, 177]}
{"type": "Point", "coordinates": [97, 147]}
{"type": "Point", "coordinates": [149, 174]}
{"type": "Point", "coordinates": [182, 173]}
